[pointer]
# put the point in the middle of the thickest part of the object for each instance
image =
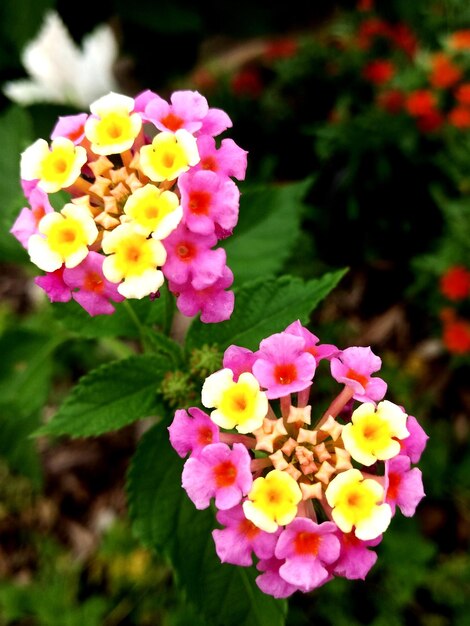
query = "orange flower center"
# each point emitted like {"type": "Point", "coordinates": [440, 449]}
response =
{"type": "Point", "coordinates": [307, 543]}
{"type": "Point", "coordinates": [359, 378]}
{"type": "Point", "coordinates": [93, 282]}
{"type": "Point", "coordinates": [394, 481]}
{"type": "Point", "coordinates": [225, 474]}
{"type": "Point", "coordinates": [38, 214]}
{"type": "Point", "coordinates": [199, 202]}
{"type": "Point", "coordinates": [248, 529]}
{"type": "Point", "coordinates": [285, 374]}
{"type": "Point", "coordinates": [209, 163]}
{"type": "Point", "coordinates": [185, 251]}
{"type": "Point", "coordinates": [204, 435]}
{"type": "Point", "coordinates": [172, 122]}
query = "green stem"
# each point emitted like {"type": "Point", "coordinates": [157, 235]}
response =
{"type": "Point", "coordinates": [140, 327]}
{"type": "Point", "coordinates": [169, 312]}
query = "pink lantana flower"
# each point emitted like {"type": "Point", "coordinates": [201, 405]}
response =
{"type": "Point", "coordinates": [214, 303]}
{"type": "Point", "coordinates": [308, 548]}
{"type": "Point", "coordinates": [218, 472]}
{"type": "Point", "coordinates": [227, 160]}
{"type": "Point", "coordinates": [26, 224]}
{"type": "Point", "coordinates": [354, 367]}
{"type": "Point", "coordinates": [239, 360]}
{"type": "Point", "coordinates": [282, 366]}
{"type": "Point", "coordinates": [142, 100]}
{"type": "Point", "coordinates": [413, 446]}
{"type": "Point", "coordinates": [210, 203]}
{"type": "Point", "coordinates": [405, 485]}
{"type": "Point", "coordinates": [321, 351]}
{"type": "Point", "coordinates": [191, 431]}
{"type": "Point", "coordinates": [72, 127]}
{"type": "Point", "coordinates": [240, 537]}
{"type": "Point", "coordinates": [27, 186]}
{"type": "Point", "coordinates": [190, 258]}
{"type": "Point", "coordinates": [54, 286]}
{"type": "Point", "coordinates": [188, 110]}
{"type": "Point", "coordinates": [355, 559]}
{"type": "Point", "coordinates": [215, 122]}
{"type": "Point", "coordinates": [271, 582]}
{"type": "Point", "coordinates": [89, 286]}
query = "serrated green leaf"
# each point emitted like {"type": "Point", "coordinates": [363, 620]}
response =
{"type": "Point", "coordinates": [161, 344]}
{"type": "Point", "coordinates": [26, 368]}
{"type": "Point", "coordinates": [110, 397]}
{"type": "Point", "coordinates": [268, 228]}
{"type": "Point", "coordinates": [264, 307]}
{"type": "Point", "coordinates": [165, 519]}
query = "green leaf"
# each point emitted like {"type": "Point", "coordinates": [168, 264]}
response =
{"type": "Point", "coordinates": [171, 19]}
{"type": "Point", "coordinates": [16, 447]}
{"type": "Point", "coordinates": [110, 397]}
{"type": "Point", "coordinates": [268, 227]}
{"type": "Point", "coordinates": [165, 519]}
{"type": "Point", "coordinates": [26, 368]}
{"type": "Point", "coordinates": [21, 22]}
{"type": "Point", "coordinates": [130, 319]}
{"type": "Point", "coordinates": [163, 345]}
{"type": "Point", "coordinates": [264, 307]}
{"type": "Point", "coordinates": [15, 135]}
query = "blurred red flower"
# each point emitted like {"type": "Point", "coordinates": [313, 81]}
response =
{"type": "Point", "coordinates": [455, 283]}
{"type": "Point", "coordinates": [456, 336]}
{"type": "Point", "coordinates": [460, 40]}
{"type": "Point", "coordinates": [247, 82]}
{"type": "Point", "coordinates": [462, 93]}
{"type": "Point", "coordinates": [404, 38]}
{"type": "Point", "coordinates": [444, 72]}
{"type": "Point", "coordinates": [392, 100]}
{"type": "Point", "coordinates": [379, 71]}
{"type": "Point", "coordinates": [284, 48]}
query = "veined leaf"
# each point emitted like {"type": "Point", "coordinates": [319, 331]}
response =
{"type": "Point", "coordinates": [130, 319]}
{"type": "Point", "coordinates": [110, 397]}
{"type": "Point", "coordinates": [166, 520]}
{"type": "Point", "coordinates": [268, 228]}
{"type": "Point", "coordinates": [264, 307]}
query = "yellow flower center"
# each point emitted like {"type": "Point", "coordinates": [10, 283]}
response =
{"type": "Point", "coordinates": [148, 207]}
{"type": "Point", "coordinates": [273, 501]}
{"type": "Point", "coordinates": [168, 156]}
{"type": "Point", "coordinates": [241, 405]}
{"type": "Point", "coordinates": [373, 433]}
{"type": "Point", "coordinates": [112, 128]}
{"type": "Point", "coordinates": [134, 256]}
{"type": "Point", "coordinates": [66, 237]}
{"type": "Point", "coordinates": [57, 165]}
{"type": "Point", "coordinates": [358, 502]}
{"type": "Point", "coordinates": [238, 402]}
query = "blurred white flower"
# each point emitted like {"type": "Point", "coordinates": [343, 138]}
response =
{"type": "Point", "coordinates": [62, 72]}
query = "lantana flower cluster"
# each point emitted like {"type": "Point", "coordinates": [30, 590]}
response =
{"type": "Point", "coordinates": [309, 493]}
{"type": "Point", "coordinates": [151, 194]}
{"type": "Point", "coordinates": [442, 89]}
{"type": "Point", "coordinates": [455, 287]}
{"type": "Point", "coordinates": [386, 60]}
